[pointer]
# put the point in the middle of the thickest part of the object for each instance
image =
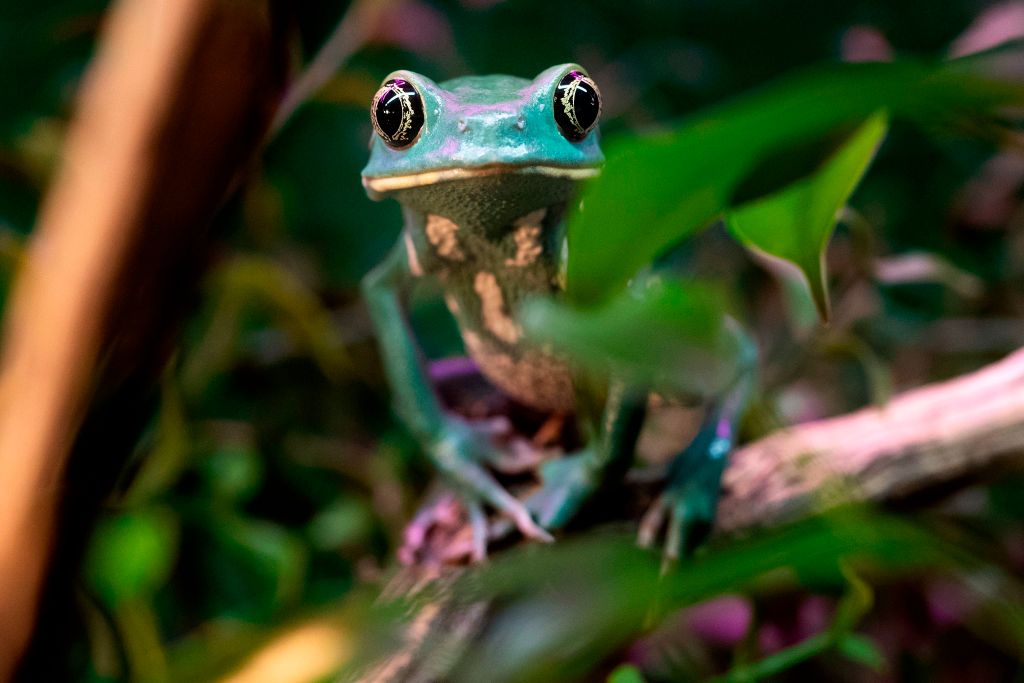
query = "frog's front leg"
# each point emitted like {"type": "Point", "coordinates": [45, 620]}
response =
{"type": "Point", "coordinates": [455, 448]}
{"type": "Point", "coordinates": [690, 498]}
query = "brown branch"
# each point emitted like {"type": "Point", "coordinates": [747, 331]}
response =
{"type": "Point", "coordinates": [176, 102]}
{"type": "Point", "coordinates": [924, 438]}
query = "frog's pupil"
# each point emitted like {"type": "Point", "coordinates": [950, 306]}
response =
{"type": "Point", "coordinates": [397, 113]}
{"type": "Point", "coordinates": [577, 105]}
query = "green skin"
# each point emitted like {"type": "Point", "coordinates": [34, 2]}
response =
{"type": "Point", "coordinates": [484, 189]}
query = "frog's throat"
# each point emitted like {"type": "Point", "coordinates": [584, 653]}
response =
{"type": "Point", "coordinates": [403, 182]}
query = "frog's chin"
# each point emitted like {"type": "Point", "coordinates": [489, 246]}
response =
{"type": "Point", "coordinates": [382, 184]}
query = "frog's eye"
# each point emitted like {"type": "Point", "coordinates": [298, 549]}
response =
{"type": "Point", "coordinates": [397, 113]}
{"type": "Point", "coordinates": [577, 105]}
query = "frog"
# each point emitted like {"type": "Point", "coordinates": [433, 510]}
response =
{"type": "Point", "coordinates": [485, 169]}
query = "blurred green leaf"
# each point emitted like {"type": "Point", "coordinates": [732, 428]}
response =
{"type": "Point", "coordinates": [132, 554]}
{"type": "Point", "coordinates": [862, 650]}
{"type": "Point", "coordinates": [344, 521]}
{"type": "Point", "coordinates": [627, 673]}
{"type": "Point", "coordinates": [275, 559]}
{"type": "Point", "coordinates": [796, 223]}
{"type": "Point", "coordinates": [233, 472]}
{"type": "Point", "coordinates": [597, 593]}
{"type": "Point", "coordinates": [661, 333]}
{"type": "Point", "coordinates": [659, 189]}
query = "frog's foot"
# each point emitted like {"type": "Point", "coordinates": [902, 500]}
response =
{"type": "Point", "coordinates": [442, 513]}
{"type": "Point", "coordinates": [687, 515]}
{"type": "Point", "coordinates": [567, 483]}
{"type": "Point", "coordinates": [462, 453]}
{"type": "Point", "coordinates": [445, 530]}
{"type": "Point", "coordinates": [686, 509]}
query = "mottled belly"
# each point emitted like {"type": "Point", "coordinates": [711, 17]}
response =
{"type": "Point", "coordinates": [533, 377]}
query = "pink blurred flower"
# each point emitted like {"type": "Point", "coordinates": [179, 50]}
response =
{"type": "Point", "coordinates": [722, 621]}
{"type": "Point", "coordinates": [995, 26]}
{"type": "Point", "coordinates": [865, 44]}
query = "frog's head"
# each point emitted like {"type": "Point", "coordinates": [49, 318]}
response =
{"type": "Point", "coordinates": [477, 127]}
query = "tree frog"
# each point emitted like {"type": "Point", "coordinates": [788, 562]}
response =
{"type": "Point", "coordinates": [484, 168]}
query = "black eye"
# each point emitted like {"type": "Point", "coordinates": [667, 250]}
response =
{"type": "Point", "coordinates": [577, 105]}
{"type": "Point", "coordinates": [397, 113]}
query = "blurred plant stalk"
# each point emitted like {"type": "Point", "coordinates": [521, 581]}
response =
{"type": "Point", "coordinates": [176, 102]}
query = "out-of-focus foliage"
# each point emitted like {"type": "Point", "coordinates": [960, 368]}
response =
{"type": "Point", "coordinates": [688, 177]}
{"type": "Point", "coordinates": [274, 476]}
{"type": "Point", "coordinates": [688, 346]}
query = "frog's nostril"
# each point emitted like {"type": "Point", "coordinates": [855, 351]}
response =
{"type": "Point", "coordinates": [462, 126]}
{"type": "Point", "coordinates": [520, 122]}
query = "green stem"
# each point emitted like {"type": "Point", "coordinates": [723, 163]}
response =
{"type": "Point", "coordinates": [781, 660]}
{"type": "Point", "coordinates": [140, 634]}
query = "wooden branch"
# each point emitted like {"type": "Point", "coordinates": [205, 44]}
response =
{"type": "Point", "coordinates": [924, 438]}
{"type": "Point", "coordinates": [176, 102]}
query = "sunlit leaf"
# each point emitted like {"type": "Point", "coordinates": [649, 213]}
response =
{"type": "Point", "coordinates": [660, 333]}
{"type": "Point", "coordinates": [657, 190]}
{"type": "Point", "coordinates": [795, 224]}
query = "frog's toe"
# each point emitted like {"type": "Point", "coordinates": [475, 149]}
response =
{"type": "Point", "coordinates": [687, 518]}
{"type": "Point", "coordinates": [523, 519]}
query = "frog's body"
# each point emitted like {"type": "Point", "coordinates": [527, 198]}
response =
{"type": "Point", "coordinates": [488, 266]}
{"type": "Point", "coordinates": [484, 168]}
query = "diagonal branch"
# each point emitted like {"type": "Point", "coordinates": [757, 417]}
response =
{"type": "Point", "coordinates": [930, 436]}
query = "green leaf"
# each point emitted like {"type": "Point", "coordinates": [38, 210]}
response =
{"type": "Point", "coordinates": [796, 223]}
{"type": "Point", "coordinates": [862, 650]}
{"type": "Point", "coordinates": [568, 607]}
{"type": "Point", "coordinates": [626, 673]}
{"type": "Point", "coordinates": [131, 555]}
{"type": "Point", "coordinates": [657, 190]}
{"type": "Point", "coordinates": [660, 333]}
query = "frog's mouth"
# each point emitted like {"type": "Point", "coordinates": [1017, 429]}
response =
{"type": "Point", "coordinates": [382, 184]}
